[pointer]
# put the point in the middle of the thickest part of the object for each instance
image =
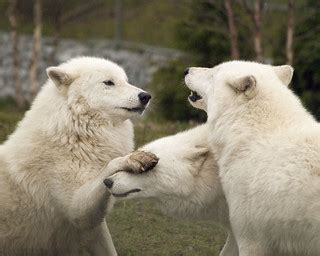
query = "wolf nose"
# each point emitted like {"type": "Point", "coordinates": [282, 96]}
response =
{"type": "Point", "coordinates": [108, 183]}
{"type": "Point", "coordinates": [144, 97]}
{"type": "Point", "coordinates": [186, 72]}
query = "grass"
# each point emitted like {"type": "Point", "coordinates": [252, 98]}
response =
{"type": "Point", "coordinates": [137, 226]}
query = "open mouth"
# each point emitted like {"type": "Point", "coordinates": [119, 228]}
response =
{"type": "Point", "coordinates": [127, 193]}
{"type": "Point", "coordinates": [194, 96]}
{"type": "Point", "coordinates": [136, 109]}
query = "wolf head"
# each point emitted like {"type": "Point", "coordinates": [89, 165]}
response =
{"type": "Point", "coordinates": [235, 83]}
{"type": "Point", "coordinates": [99, 86]}
{"type": "Point", "coordinates": [185, 180]}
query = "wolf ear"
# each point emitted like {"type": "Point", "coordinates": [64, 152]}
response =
{"type": "Point", "coordinates": [59, 77]}
{"type": "Point", "coordinates": [197, 157]}
{"type": "Point", "coordinates": [246, 85]}
{"type": "Point", "coordinates": [284, 73]}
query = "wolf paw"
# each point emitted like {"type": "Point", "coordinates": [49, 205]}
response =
{"type": "Point", "coordinates": [140, 161]}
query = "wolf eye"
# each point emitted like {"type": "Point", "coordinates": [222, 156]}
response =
{"type": "Point", "coordinates": [108, 82]}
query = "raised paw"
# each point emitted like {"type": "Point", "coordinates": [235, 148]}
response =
{"type": "Point", "coordinates": [140, 161]}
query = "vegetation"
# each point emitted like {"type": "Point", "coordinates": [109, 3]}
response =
{"type": "Point", "coordinates": [171, 94]}
{"type": "Point", "coordinates": [202, 29]}
{"type": "Point", "coordinates": [139, 228]}
{"type": "Point", "coordinates": [96, 19]}
{"type": "Point", "coordinates": [205, 34]}
{"type": "Point", "coordinates": [307, 60]}
{"type": "Point", "coordinates": [9, 116]}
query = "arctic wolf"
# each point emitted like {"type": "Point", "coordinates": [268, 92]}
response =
{"type": "Point", "coordinates": [185, 181]}
{"type": "Point", "coordinates": [52, 196]}
{"type": "Point", "coordinates": [268, 151]}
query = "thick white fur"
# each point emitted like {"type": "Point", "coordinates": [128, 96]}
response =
{"type": "Point", "coordinates": [185, 182]}
{"type": "Point", "coordinates": [268, 151]}
{"type": "Point", "coordinates": [53, 200]}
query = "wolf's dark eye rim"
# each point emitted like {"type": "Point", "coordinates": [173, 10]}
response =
{"type": "Point", "coordinates": [108, 83]}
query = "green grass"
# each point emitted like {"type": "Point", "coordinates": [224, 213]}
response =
{"type": "Point", "coordinates": [137, 226]}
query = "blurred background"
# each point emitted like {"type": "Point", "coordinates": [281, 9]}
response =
{"type": "Point", "coordinates": [155, 40]}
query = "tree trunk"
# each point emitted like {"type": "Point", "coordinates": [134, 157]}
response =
{"type": "Point", "coordinates": [118, 22]}
{"type": "Point", "coordinates": [12, 13]}
{"type": "Point", "coordinates": [63, 17]}
{"type": "Point", "coordinates": [36, 50]}
{"type": "Point", "coordinates": [290, 32]}
{"type": "Point", "coordinates": [56, 38]}
{"type": "Point", "coordinates": [255, 14]}
{"type": "Point", "coordinates": [233, 30]}
{"type": "Point", "coordinates": [257, 25]}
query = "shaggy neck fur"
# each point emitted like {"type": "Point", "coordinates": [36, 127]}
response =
{"type": "Point", "coordinates": [257, 116]}
{"type": "Point", "coordinates": [71, 124]}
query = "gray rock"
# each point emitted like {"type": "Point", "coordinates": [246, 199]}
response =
{"type": "Point", "coordinates": [140, 61]}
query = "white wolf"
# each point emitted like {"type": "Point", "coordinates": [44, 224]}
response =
{"type": "Point", "coordinates": [185, 181]}
{"type": "Point", "coordinates": [268, 151]}
{"type": "Point", "coordinates": [52, 196]}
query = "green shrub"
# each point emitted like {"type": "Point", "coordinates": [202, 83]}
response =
{"type": "Point", "coordinates": [170, 95]}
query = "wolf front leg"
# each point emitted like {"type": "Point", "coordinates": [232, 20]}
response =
{"type": "Point", "coordinates": [249, 248]}
{"type": "Point", "coordinates": [89, 202]}
{"type": "Point", "coordinates": [230, 248]}
{"type": "Point", "coordinates": [111, 250]}
{"type": "Point", "coordinates": [103, 245]}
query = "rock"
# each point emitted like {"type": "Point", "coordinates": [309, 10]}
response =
{"type": "Point", "coordinates": [140, 61]}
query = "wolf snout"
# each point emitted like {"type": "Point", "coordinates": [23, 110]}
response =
{"type": "Point", "coordinates": [108, 183]}
{"type": "Point", "coordinates": [144, 98]}
{"type": "Point", "coordinates": [186, 71]}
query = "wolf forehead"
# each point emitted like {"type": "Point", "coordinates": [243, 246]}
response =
{"type": "Point", "coordinates": [86, 65]}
